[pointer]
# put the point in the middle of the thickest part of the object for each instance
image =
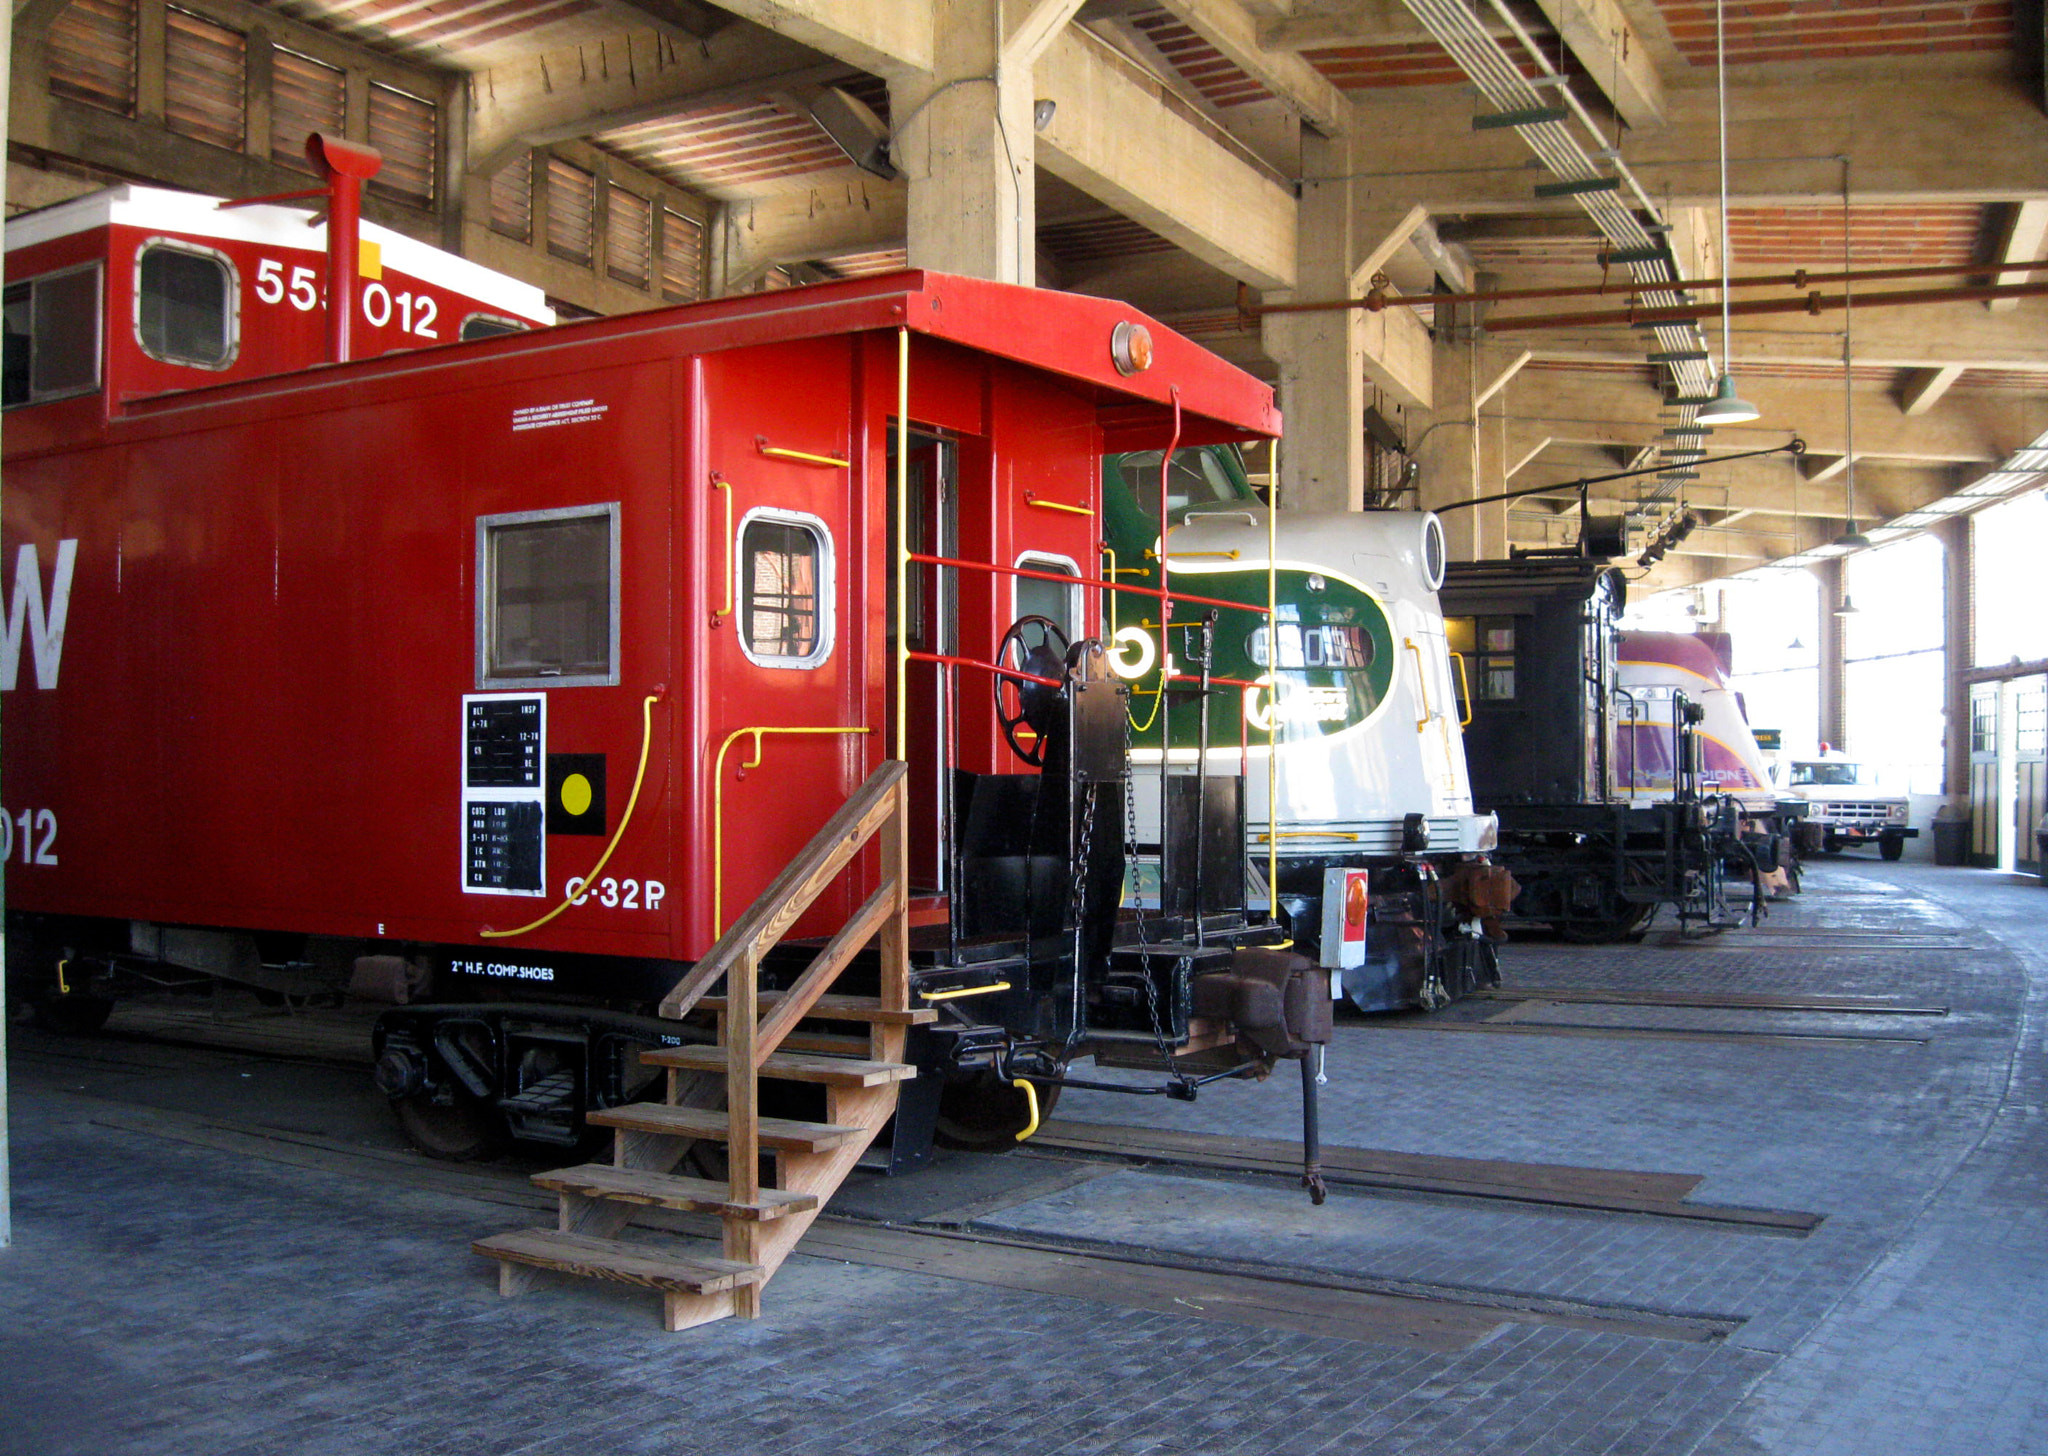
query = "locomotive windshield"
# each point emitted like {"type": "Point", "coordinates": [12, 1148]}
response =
{"type": "Point", "coordinates": [1196, 478]}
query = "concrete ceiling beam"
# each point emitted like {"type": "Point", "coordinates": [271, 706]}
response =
{"type": "Point", "coordinates": [884, 37]}
{"type": "Point", "coordinates": [1382, 22]}
{"type": "Point", "coordinates": [1783, 140]}
{"type": "Point", "coordinates": [1234, 31]}
{"type": "Point", "coordinates": [1925, 387]}
{"type": "Point", "coordinates": [536, 103]}
{"type": "Point", "coordinates": [748, 238]}
{"type": "Point", "coordinates": [1034, 27]}
{"type": "Point", "coordinates": [2022, 235]}
{"type": "Point", "coordinates": [1615, 57]}
{"type": "Point", "coordinates": [1119, 136]}
{"type": "Point", "coordinates": [1972, 427]}
{"type": "Point", "coordinates": [1923, 337]}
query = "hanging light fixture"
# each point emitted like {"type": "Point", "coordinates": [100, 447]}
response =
{"type": "Point", "coordinates": [1726, 407]}
{"type": "Point", "coordinates": [1852, 539]}
{"type": "Point", "coordinates": [1848, 608]}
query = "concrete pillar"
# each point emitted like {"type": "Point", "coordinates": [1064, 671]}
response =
{"type": "Point", "coordinates": [1832, 728]}
{"type": "Point", "coordinates": [1321, 355]}
{"type": "Point", "coordinates": [1463, 451]}
{"type": "Point", "coordinates": [1959, 620]}
{"type": "Point", "coordinates": [964, 139]}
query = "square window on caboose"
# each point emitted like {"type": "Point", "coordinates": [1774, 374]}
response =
{"type": "Point", "coordinates": [785, 562]}
{"type": "Point", "coordinates": [548, 598]}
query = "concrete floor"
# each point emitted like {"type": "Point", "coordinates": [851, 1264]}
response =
{"type": "Point", "coordinates": [215, 1253]}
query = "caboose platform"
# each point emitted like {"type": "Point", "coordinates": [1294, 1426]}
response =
{"type": "Point", "coordinates": [1780, 1191]}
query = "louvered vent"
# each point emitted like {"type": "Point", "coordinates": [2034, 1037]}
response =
{"type": "Point", "coordinates": [629, 237]}
{"type": "Point", "coordinates": [91, 51]}
{"type": "Point", "coordinates": [403, 127]}
{"type": "Point", "coordinates": [682, 257]}
{"type": "Point", "coordinates": [205, 79]}
{"type": "Point", "coordinates": [305, 96]}
{"type": "Point", "coordinates": [512, 201]}
{"type": "Point", "coordinates": [572, 199]}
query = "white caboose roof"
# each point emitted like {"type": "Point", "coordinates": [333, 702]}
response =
{"type": "Point", "coordinates": [193, 214]}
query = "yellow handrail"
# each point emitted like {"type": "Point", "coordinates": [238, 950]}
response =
{"type": "Point", "coordinates": [639, 774]}
{"type": "Point", "coordinates": [1465, 682]}
{"type": "Point", "coordinates": [777, 452]}
{"type": "Point", "coordinates": [719, 482]}
{"type": "Point", "coordinates": [718, 806]}
{"type": "Point", "coordinates": [1046, 505]}
{"type": "Point", "coordinates": [987, 990]}
{"type": "Point", "coordinates": [1031, 1103]}
{"type": "Point", "coordinates": [1421, 683]}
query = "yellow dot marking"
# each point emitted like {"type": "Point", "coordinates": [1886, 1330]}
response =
{"type": "Point", "coordinates": [576, 795]}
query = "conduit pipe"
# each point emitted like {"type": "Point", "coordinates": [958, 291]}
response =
{"type": "Point", "coordinates": [1377, 298]}
{"type": "Point", "coordinates": [1812, 303]}
{"type": "Point", "coordinates": [1457, 28]}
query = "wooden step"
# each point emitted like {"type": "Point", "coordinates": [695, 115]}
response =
{"type": "Point", "coordinates": [641, 1264]}
{"type": "Point", "coordinates": [697, 1122]}
{"type": "Point", "coordinates": [670, 1190]}
{"type": "Point", "coordinates": [789, 1066]}
{"type": "Point", "coordinates": [841, 1008]}
{"type": "Point", "coordinates": [825, 1043]}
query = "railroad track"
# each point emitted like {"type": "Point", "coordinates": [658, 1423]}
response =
{"type": "Point", "coordinates": [1600, 1190]}
{"type": "Point", "coordinates": [341, 1039]}
{"type": "Point", "coordinates": [1241, 1292]}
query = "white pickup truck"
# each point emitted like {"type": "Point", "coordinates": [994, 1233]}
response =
{"type": "Point", "coordinates": [1846, 807]}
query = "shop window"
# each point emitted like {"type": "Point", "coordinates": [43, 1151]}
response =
{"type": "Point", "coordinates": [50, 337]}
{"type": "Point", "coordinates": [206, 72]}
{"type": "Point", "coordinates": [682, 257]}
{"type": "Point", "coordinates": [785, 566]}
{"type": "Point", "coordinates": [305, 96]}
{"type": "Point", "coordinates": [512, 201]}
{"type": "Point", "coordinates": [405, 128]}
{"type": "Point", "coordinates": [548, 598]}
{"type": "Point", "coordinates": [572, 206]}
{"type": "Point", "coordinates": [628, 237]}
{"type": "Point", "coordinates": [185, 305]}
{"type": "Point", "coordinates": [91, 49]}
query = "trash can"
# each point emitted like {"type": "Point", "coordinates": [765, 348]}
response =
{"type": "Point", "coordinates": [1952, 841]}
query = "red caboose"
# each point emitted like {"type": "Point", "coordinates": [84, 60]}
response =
{"type": "Point", "coordinates": [513, 670]}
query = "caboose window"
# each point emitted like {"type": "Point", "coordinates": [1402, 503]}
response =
{"type": "Point", "coordinates": [548, 598]}
{"type": "Point", "coordinates": [1034, 596]}
{"type": "Point", "coordinates": [185, 306]}
{"type": "Point", "coordinates": [51, 329]}
{"type": "Point", "coordinates": [785, 564]}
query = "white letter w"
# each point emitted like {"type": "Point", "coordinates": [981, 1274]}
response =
{"type": "Point", "coordinates": [25, 608]}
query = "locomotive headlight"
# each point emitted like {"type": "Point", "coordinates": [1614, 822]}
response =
{"type": "Point", "coordinates": [1131, 668]}
{"type": "Point", "coordinates": [1130, 348]}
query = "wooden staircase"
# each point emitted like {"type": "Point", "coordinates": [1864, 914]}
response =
{"type": "Point", "coordinates": [761, 1224]}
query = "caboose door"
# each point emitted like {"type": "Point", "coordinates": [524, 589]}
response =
{"type": "Point", "coordinates": [786, 730]}
{"type": "Point", "coordinates": [931, 600]}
